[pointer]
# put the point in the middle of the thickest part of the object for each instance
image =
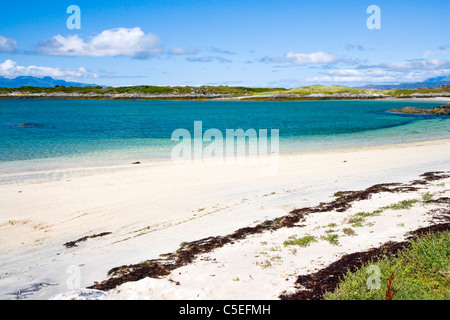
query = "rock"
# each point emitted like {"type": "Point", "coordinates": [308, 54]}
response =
{"type": "Point", "coordinates": [27, 125]}
{"type": "Point", "coordinates": [81, 294]}
{"type": "Point", "coordinates": [442, 110]}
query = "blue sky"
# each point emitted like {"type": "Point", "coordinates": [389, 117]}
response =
{"type": "Point", "coordinates": [278, 43]}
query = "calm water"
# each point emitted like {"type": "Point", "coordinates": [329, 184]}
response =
{"type": "Point", "coordinates": [135, 130]}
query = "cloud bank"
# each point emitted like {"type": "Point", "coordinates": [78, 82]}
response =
{"type": "Point", "coordinates": [10, 69]}
{"type": "Point", "coordinates": [131, 42]}
{"type": "Point", "coordinates": [8, 45]}
{"type": "Point", "coordinates": [311, 58]}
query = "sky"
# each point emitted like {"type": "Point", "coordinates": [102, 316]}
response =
{"type": "Point", "coordinates": [254, 43]}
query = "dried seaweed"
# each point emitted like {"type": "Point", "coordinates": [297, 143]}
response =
{"type": "Point", "coordinates": [315, 285]}
{"type": "Point", "coordinates": [72, 244]}
{"type": "Point", "coordinates": [189, 251]}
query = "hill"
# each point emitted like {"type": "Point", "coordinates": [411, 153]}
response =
{"type": "Point", "coordinates": [45, 82]}
{"type": "Point", "coordinates": [430, 83]}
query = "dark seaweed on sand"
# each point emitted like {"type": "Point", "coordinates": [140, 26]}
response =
{"type": "Point", "coordinates": [187, 252]}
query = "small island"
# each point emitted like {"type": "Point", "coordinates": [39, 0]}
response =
{"type": "Point", "coordinates": [442, 110]}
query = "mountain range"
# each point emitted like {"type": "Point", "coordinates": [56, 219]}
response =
{"type": "Point", "coordinates": [429, 83]}
{"type": "Point", "coordinates": [47, 82]}
{"type": "Point", "coordinates": [39, 82]}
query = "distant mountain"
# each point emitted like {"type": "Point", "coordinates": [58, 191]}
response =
{"type": "Point", "coordinates": [429, 83]}
{"type": "Point", "coordinates": [38, 82]}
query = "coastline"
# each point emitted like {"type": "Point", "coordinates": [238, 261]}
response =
{"type": "Point", "coordinates": [227, 97]}
{"type": "Point", "coordinates": [145, 210]}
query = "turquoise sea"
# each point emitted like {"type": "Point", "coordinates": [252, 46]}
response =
{"type": "Point", "coordinates": [122, 131]}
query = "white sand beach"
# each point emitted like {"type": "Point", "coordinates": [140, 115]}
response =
{"type": "Point", "coordinates": [146, 210]}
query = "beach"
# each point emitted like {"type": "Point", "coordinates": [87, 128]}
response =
{"type": "Point", "coordinates": [92, 220]}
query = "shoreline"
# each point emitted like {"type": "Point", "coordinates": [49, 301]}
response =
{"type": "Point", "coordinates": [73, 165]}
{"type": "Point", "coordinates": [143, 211]}
{"type": "Point", "coordinates": [218, 97]}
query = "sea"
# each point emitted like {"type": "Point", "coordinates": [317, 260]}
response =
{"type": "Point", "coordinates": [44, 133]}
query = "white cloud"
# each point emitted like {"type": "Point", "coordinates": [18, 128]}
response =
{"type": "Point", "coordinates": [390, 72]}
{"type": "Point", "coordinates": [268, 59]}
{"type": "Point", "coordinates": [355, 73]}
{"type": "Point", "coordinates": [8, 45]}
{"type": "Point", "coordinates": [208, 59]}
{"type": "Point", "coordinates": [311, 58]}
{"type": "Point", "coordinates": [432, 64]}
{"type": "Point", "coordinates": [131, 42]}
{"type": "Point", "coordinates": [376, 75]}
{"type": "Point", "coordinates": [222, 51]}
{"type": "Point", "coordinates": [10, 69]}
{"type": "Point", "coordinates": [442, 50]}
{"type": "Point", "coordinates": [181, 51]}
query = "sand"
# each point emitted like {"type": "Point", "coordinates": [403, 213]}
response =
{"type": "Point", "coordinates": [145, 210]}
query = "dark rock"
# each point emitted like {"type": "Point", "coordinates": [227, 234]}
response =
{"type": "Point", "coordinates": [27, 125]}
{"type": "Point", "coordinates": [442, 110]}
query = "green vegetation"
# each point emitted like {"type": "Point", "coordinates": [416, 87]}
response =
{"type": "Point", "coordinates": [349, 231]}
{"type": "Point", "coordinates": [408, 92]}
{"type": "Point", "coordinates": [368, 214]}
{"type": "Point", "coordinates": [402, 205]}
{"type": "Point", "coordinates": [302, 242]}
{"type": "Point", "coordinates": [332, 225]}
{"type": "Point", "coordinates": [331, 238]}
{"type": "Point", "coordinates": [328, 90]}
{"type": "Point", "coordinates": [356, 221]}
{"type": "Point", "coordinates": [419, 273]}
{"type": "Point", "coordinates": [265, 264]}
{"type": "Point", "coordinates": [258, 93]}
{"type": "Point", "coordinates": [427, 196]}
{"type": "Point", "coordinates": [150, 90]}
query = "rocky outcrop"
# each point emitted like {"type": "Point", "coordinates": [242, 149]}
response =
{"type": "Point", "coordinates": [442, 110]}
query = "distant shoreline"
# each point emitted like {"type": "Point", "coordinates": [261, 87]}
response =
{"type": "Point", "coordinates": [138, 97]}
{"type": "Point", "coordinates": [312, 92]}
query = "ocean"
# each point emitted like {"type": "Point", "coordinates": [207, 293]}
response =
{"type": "Point", "coordinates": [104, 132]}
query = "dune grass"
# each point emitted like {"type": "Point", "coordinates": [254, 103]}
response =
{"type": "Point", "coordinates": [302, 242]}
{"type": "Point", "coordinates": [421, 272]}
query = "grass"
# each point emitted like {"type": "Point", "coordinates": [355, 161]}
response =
{"type": "Point", "coordinates": [421, 272]}
{"type": "Point", "coordinates": [331, 238]}
{"type": "Point", "coordinates": [231, 91]}
{"type": "Point", "coordinates": [349, 231]}
{"type": "Point", "coordinates": [328, 90]}
{"type": "Point", "coordinates": [302, 242]}
{"type": "Point", "coordinates": [368, 214]}
{"type": "Point", "coordinates": [265, 264]}
{"type": "Point", "coordinates": [402, 205]}
{"type": "Point", "coordinates": [427, 196]}
{"type": "Point", "coordinates": [332, 225]}
{"type": "Point", "coordinates": [177, 90]}
{"type": "Point", "coordinates": [356, 221]}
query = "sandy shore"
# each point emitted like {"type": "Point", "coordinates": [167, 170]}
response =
{"type": "Point", "coordinates": [128, 214]}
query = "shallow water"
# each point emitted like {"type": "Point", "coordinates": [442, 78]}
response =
{"type": "Point", "coordinates": [110, 132]}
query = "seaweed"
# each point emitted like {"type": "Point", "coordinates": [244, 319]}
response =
{"type": "Point", "coordinates": [315, 285]}
{"type": "Point", "coordinates": [188, 251]}
{"type": "Point", "coordinates": [72, 244]}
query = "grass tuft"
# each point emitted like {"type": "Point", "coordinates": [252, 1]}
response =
{"type": "Point", "coordinates": [302, 242]}
{"type": "Point", "coordinates": [331, 238]}
{"type": "Point", "coordinates": [420, 272]}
